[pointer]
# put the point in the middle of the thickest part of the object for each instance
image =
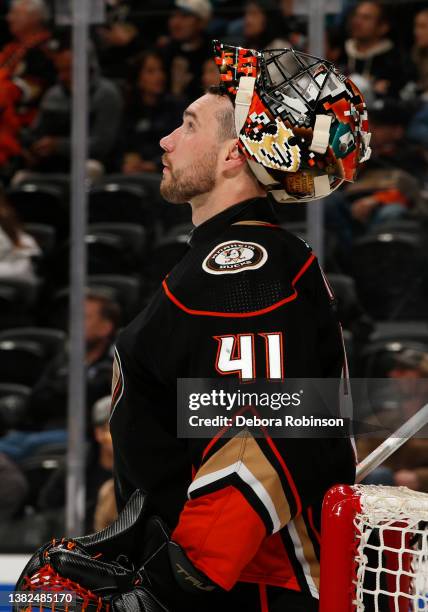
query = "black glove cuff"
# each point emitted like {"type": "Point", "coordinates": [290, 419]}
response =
{"type": "Point", "coordinates": [185, 573]}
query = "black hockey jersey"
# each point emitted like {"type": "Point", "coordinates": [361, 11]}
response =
{"type": "Point", "coordinates": [245, 509]}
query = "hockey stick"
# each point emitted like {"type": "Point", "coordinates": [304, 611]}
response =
{"type": "Point", "coordinates": [391, 444]}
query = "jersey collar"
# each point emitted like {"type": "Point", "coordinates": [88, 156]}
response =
{"type": "Point", "coordinates": [256, 209]}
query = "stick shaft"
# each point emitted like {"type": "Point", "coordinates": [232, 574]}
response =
{"type": "Point", "coordinates": [393, 443]}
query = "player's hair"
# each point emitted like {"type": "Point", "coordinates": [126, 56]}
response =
{"type": "Point", "coordinates": [109, 310]}
{"type": "Point", "coordinates": [225, 117]}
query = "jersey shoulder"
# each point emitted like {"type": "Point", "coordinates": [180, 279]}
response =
{"type": "Point", "coordinates": [248, 268]}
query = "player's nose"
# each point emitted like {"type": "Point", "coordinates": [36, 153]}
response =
{"type": "Point", "coordinates": [167, 142]}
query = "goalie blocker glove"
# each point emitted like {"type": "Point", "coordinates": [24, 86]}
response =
{"type": "Point", "coordinates": [131, 566]}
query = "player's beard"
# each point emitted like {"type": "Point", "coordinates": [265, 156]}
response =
{"type": "Point", "coordinates": [184, 184]}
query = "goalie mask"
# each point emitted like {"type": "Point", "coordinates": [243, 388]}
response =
{"type": "Point", "coordinates": [301, 125]}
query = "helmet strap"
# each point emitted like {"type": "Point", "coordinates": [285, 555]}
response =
{"type": "Point", "coordinates": [321, 134]}
{"type": "Point", "coordinates": [243, 99]}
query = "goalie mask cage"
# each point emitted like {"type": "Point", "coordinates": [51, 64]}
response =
{"type": "Point", "coordinates": [374, 552]}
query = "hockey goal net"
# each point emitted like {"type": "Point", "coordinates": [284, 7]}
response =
{"type": "Point", "coordinates": [374, 552]}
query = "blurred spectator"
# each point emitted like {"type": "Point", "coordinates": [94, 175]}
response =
{"type": "Point", "coordinates": [26, 59]}
{"type": "Point", "coordinates": [370, 52]}
{"type": "Point", "coordinates": [417, 130]}
{"type": "Point", "coordinates": [379, 196]}
{"type": "Point", "coordinates": [408, 466]}
{"type": "Point", "coordinates": [210, 74]}
{"type": "Point", "coordinates": [13, 488]}
{"type": "Point", "coordinates": [49, 143]}
{"type": "Point", "coordinates": [294, 27]}
{"type": "Point", "coordinates": [99, 465]}
{"type": "Point", "coordinates": [48, 401]}
{"type": "Point", "coordinates": [388, 187]}
{"type": "Point", "coordinates": [263, 26]}
{"type": "Point", "coordinates": [390, 122]}
{"type": "Point", "coordinates": [119, 40]}
{"type": "Point", "coordinates": [20, 445]}
{"type": "Point", "coordinates": [106, 508]}
{"type": "Point", "coordinates": [187, 46]}
{"type": "Point", "coordinates": [16, 246]}
{"type": "Point", "coordinates": [420, 49]}
{"type": "Point", "coordinates": [26, 70]}
{"type": "Point", "coordinates": [152, 114]}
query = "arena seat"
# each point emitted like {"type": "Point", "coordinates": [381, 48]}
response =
{"type": "Point", "coordinates": [134, 236]}
{"type": "Point", "coordinates": [18, 298]}
{"type": "Point", "coordinates": [122, 203]}
{"type": "Point", "coordinates": [400, 331]}
{"type": "Point", "coordinates": [389, 271]}
{"type": "Point", "coordinates": [52, 340]}
{"type": "Point", "coordinates": [13, 406]}
{"type": "Point", "coordinates": [125, 290]}
{"type": "Point", "coordinates": [21, 361]}
{"type": "Point", "coordinates": [44, 204]}
{"type": "Point", "coordinates": [44, 235]}
{"type": "Point", "coordinates": [164, 256]}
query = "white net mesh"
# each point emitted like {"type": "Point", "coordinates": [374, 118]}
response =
{"type": "Point", "coordinates": [391, 546]}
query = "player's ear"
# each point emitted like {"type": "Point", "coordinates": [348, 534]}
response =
{"type": "Point", "coordinates": [233, 159]}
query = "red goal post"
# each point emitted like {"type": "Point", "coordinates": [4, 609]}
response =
{"type": "Point", "coordinates": [374, 550]}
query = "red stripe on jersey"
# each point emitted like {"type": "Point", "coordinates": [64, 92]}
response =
{"type": "Point", "coordinates": [208, 532]}
{"type": "Point", "coordinates": [303, 269]}
{"type": "Point", "coordinates": [254, 313]}
{"type": "Point", "coordinates": [224, 429]}
{"type": "Point", "coordinates": [286, 472]}
{"type": "Point", "coordinates": [271, 443]}
{"type": "Point", "coordinates": [264, 607]}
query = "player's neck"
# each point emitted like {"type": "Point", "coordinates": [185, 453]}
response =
{"type": "Point", "coordinates": [207, 205]}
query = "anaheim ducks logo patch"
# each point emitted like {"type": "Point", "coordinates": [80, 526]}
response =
{"type": "Point", "coordinates": [235, 256]}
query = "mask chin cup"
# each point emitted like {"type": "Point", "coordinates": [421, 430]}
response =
{"type": "Point", "coordinates": [322, 189]}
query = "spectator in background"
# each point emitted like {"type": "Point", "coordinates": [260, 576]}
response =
{"type": "Point", "coordinates": [26, 70]}
{"type": "Point", "coordinates": [420, 50]}
{"type": "Point", "coordinates": [408, 466]}
{"type": "Point", "coordinates": [16, 246]}
{"type": "Point", "coordinates": [49, 140]}
{"type": "Point", "coordinates": [27, 58]}
{"type": "Point", "coordinates": [418, 127]}
{"type": "Point", "coordinates": [370, 53]}
{"type": "Point", "coordinates": [388, 187]}
{"type": "Point", "coordinates": [188, 46]}
{"type": "Point", "coordinates": [294, 26]}
{"type": "Point", "coordinates": [210, 74]}
{"type": "Point", "coordinates": [48, 402]}
{"type": "Point", "coordinates": [119, 40]}
{"type": "Point", "coordinates": [263, 26]}
{"type": "Point", "coordinates": [390, 122]}
{"type": "Point", "coordinates": [99, 466]}
{"type": "Point", "coordinates": [106, 508]}
{"type": "Point", "coordinates": [152, 114]}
